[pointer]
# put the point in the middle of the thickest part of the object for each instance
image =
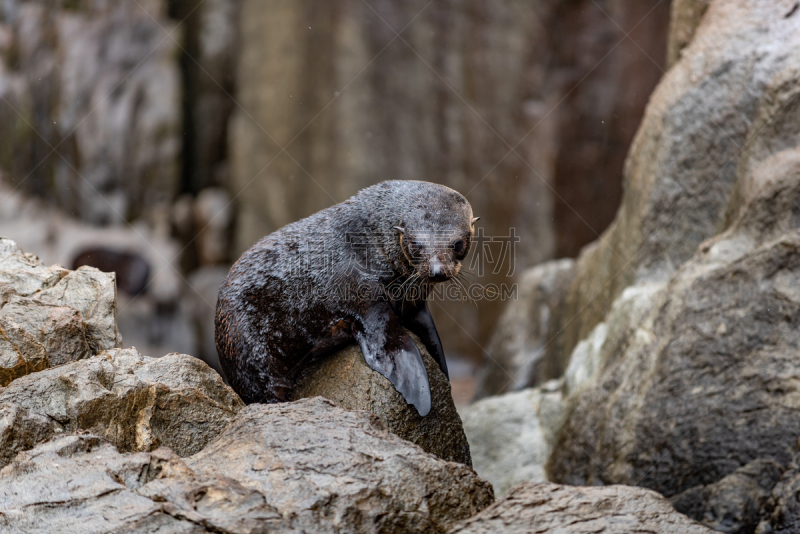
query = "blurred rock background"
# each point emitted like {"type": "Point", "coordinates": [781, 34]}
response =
{"type": "Point", "coordinates": [161, 138]}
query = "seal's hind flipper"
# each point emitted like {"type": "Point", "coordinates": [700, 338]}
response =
{"type": "Point", "coordinates": [389, 350]}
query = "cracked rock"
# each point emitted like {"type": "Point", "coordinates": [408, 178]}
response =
{"type": "Point", "coordinates": [333, 470]}
{"type": "Point", "coordinates": [135, 402]}
{"type": "Point", "coordinates": [533, 508]}
{"type": "Point", "coordinates": [306, 466]}
{"type": "Point", "coordinates": [50, 316]}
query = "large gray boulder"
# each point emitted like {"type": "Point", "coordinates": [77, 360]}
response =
{"type": "Point", "coordinates": [706, 374]}
{"type": "Point", "coordinates": [520, 340]}
{"type": "Point", "coordinates": [678, 329]}
{"type": "Point", "coordinates": [135, 402]}
{"type": "Point", "coordinates": [533, 508]}
{"type": "Point", "coordinates": [724, 108]}
{"type": "Point", "coordinates": [346, 379]}
{"type": "Point", "coordinates": [511, 436]}
{"type": "Point", "coordinates": [50, 316]}
{"type": "Point", "coordinates": [332, 470]}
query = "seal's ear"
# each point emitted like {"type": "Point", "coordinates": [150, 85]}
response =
{"type": "Point", "coordinates": [389, 350]}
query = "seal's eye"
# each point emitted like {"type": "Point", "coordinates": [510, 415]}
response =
{"type": "Point", "coordinates": [458, 247]}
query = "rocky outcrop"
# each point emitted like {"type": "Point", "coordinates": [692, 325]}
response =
{"type": "Point", "coordinates": [299, 467]}
{"type": "Point", "coordinates": [539, 508]}
{"type": "Point", "coordinates": [346, 379]}
{"type": "Point", "coordinates": [713, 358]}
{"type": "Point", "coordinates": [511, 436]}
{"type": "Point", "coordinates": [97, 442]}
{"type": "Point", "coordinates": [135, 402]}
{"type": "Point", "coordinates": [682, 178]}
{"type": "Point", "coordinates": [84, 482]}
{"type": "Point", "coordinates": [50, 316]}
{"type": "Point", "coordinates": [332, 470]}
{"type": "Point", "coordinates": [678, 329]}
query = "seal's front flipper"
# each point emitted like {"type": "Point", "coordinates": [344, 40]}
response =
{"type": "Point", "coordinates": [420, 322]}
{"type": "Point", "coordinates": [389, 350]}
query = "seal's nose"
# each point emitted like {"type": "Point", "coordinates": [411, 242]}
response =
{"type": "Point", "coordinates": [438, 272]}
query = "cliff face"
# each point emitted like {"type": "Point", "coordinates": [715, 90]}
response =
{"type": "Point", "coordinates": [91, 105]}
{"type": "Point", "coordinates": [525, 107]}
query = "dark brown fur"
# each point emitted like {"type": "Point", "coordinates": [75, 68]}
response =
{"type": "Point", "coordinates": [360, 270]}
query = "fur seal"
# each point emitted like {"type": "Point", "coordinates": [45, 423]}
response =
{"type": "Point", "coordinates": [360, 270]}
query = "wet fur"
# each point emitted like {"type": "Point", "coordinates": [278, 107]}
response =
{"type": "Point", "coordinates": [271, 321]}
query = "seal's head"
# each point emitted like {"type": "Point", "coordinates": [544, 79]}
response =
{"type": "Point", "coordinates": [435, 231]}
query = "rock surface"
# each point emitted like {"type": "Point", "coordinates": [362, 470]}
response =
{"type": "Point", "coordinates": [520, 339]}
{"type": "Point", "coordinates": [346, 379]}
{"type": "Point", "coordinates": [301, 467]}
{"type": "Point", "coordinates": [781, 512]}
{"type": "Point", "coordinates": [539, 508]}
{"type": "Point", "coordinates": [50, 316]}
{"type": "Point", "coordinates": [683, 178]}
{"type": "Point", "coordinates": [511, 436]}
{"type": "Point", "coordinates": [734, 504]}
{"type": "Point", "coordinates": [702, 380]}
{"type": "Point", "coordinates": [678, 328]}
{"type": "Point", "coordinates": [707, 375]}
{"type": "Point", "coordinates": [83, 484]}
{"type": "Point", "coordinates": [332, 470]}
{"type": "Point", "coordinates": [136, 402]}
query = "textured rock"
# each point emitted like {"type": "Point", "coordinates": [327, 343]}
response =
{"type": "Point", "coordinates": [50, 316]}
{"type": "Point", "coordinates": [98, 83]}
{"type": "Point", "coordinates": [21, 430]}
{"type": "Point", "coordinates": [781, 512]}
{"type": "Point", "coordinates": [85, 485]}
{"type": "Point", "coordinates": [707, 375]}
{"type": "Point", "coordinates": [679, 328]}
{"type": "Point", "coordinates": [685, 17]}
{"type": "Point", "coordinates": [511, 435]}
{"type": "Point", "coordinates": [520, 339]}
{"type": "Point", "coordinates": [346, 379]}
{"type": "Point", "coordinates": [734, 504]}
{"type": "Point", "coordinates": [299, 467]}
{"type": "Point", "coordinates": [332, 470]}
{"type": "Point", "coordinates": [156, 321]}
{"type": "Point", "coordinates": [725, 107]}
{"type": "Point", "coordinates": [539, 508]}
{"type": "Point", "coordinates": [136, 402]}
